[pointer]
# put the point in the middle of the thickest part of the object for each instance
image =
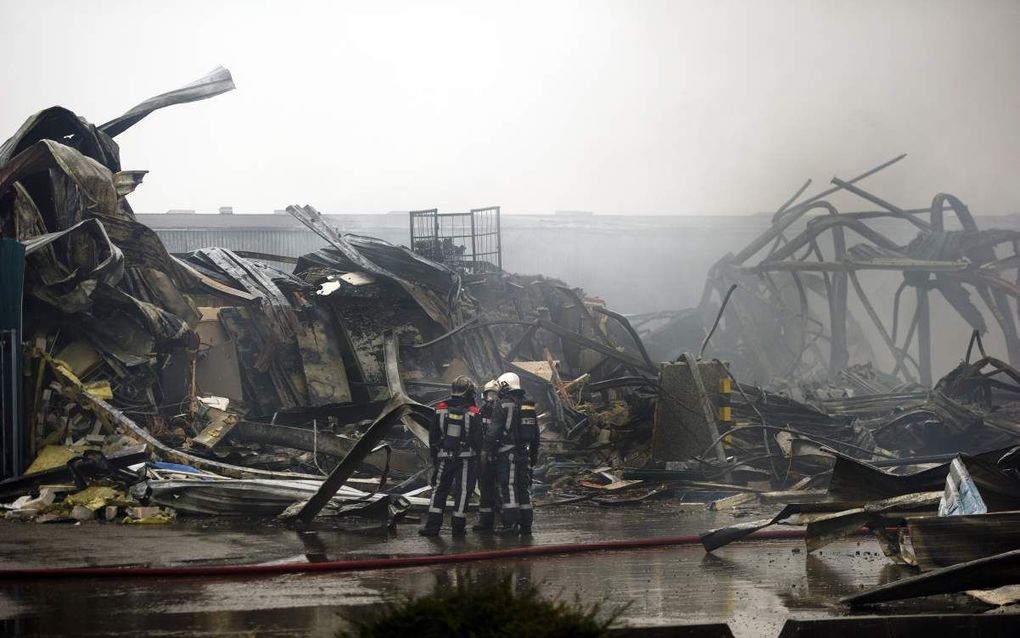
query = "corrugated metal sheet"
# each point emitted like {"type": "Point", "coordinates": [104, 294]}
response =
{"type": "Point", "coordinates": [292, 243]}
{"type": "Point", "coordinates": [275, 241]}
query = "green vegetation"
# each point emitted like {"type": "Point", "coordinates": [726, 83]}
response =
{"type": "Point", "coordinates": [494, 609]}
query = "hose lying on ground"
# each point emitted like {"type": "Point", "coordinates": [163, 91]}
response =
{"type": "Point", "coordinates": [372, 563]}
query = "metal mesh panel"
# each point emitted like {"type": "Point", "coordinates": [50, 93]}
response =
{"type": "Point", "coordinates": [469, 242]}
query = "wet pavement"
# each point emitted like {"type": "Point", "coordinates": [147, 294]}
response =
{"type": "Point", "coordinates": [752, 586]}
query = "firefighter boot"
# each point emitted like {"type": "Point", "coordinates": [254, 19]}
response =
{"type": "Point", "coordinates": [459, 525]}
{"type": "Point", "coordinates": [527, 518]}
{"type": "Point", "coordinates": [511, 519]}
{"type": "Point", "coordinates": [432, 525]}
{"type": "Point", "coordinates": [486, 520]}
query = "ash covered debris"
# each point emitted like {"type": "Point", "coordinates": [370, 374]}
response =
{"type": "Point", "coordinates": [941, 492]}
{"type": "Point", "coordinates": [212, 382]}
{"type": "Point", "coordinates": [929, 471]}
{"type": "Point", "coordinates": [216, 382]}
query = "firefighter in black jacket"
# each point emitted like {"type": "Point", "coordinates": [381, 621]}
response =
{"type": "Point", "coordinates": [454, 441]}
{"type": "Point", "coordinates": [488, 491]}
{"type": "Point", "coordinates": [516, 425]}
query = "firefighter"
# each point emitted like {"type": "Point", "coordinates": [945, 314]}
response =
{"type": "Point", "coordinates": [488, 491]}
{"type": "Point", "coordinates": [454, 441]}
{"type": "Point", "coordinates": [516, 425]}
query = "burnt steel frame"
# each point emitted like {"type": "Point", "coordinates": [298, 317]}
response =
{"type": "Point", "coordinates": [959, 260]}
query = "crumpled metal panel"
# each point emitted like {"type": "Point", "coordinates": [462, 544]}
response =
{"type": "Point", "coordinates": [250, 278]}
{"type": "Point", "coordinates": [440, 310]}
{"type": "Point", "coordinates": [143, 249]}
{"type": "Point", "coordinates": [940, 541]}
{"type": "Point", "coordinates": [90, 229]}
{"type": "Point", "coordinates": [62, 286]}
{"type": "Point", "coordinates": [398, 409]}
{"type": "Point", "coordinates": [322, 357]}
{"type": "Point", "coordinates": [88, 189]}
{"type": "Point", "coordinates": [245, 497]}
{"type": "Point", "coordinates": [983, 573]}
{"type": "Point", "coordinates": [265, 384]}
{"type": "Point", "coordinates": [962, 495]}
{"type": "Point", "coordinates": [209, 85]}
{"type": "Point", "coordinates": [61, 125]}
{"type": "Point", "coordinates": [269, 352]}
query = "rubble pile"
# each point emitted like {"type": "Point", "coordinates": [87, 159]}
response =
{"type": "Point", "coordinates": [955, 522]}
{"type": "Point", "coordinates": [215, 382]}
{"type": "Point", "coordinates": [972, 409]}
{"type": "Point", "coordinates": [941, 491]}
{"type": "Point", "coordinates": [803, 381]}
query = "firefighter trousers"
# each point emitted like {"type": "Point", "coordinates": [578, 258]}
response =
{"type": "Point", "coordinates": [456, 473]}
{"type": "Point", "coordinates": [513, 472]}
{"type": "Point", "coordinates": [488, 492]}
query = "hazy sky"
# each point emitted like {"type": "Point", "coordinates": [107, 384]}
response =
{"type": "Point", "coordinates": [617, 107]}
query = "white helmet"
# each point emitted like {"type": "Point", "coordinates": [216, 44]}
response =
{"type": "Point", "coordinates": [491, 386]}
{"type": "Point", "coordinates": [509, 381]}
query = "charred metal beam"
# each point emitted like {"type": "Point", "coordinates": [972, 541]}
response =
{"type": "Point", "coordinates": [897, 212]}
{"type": "Point", "coordinates": [391, 415]}
{"type": "Point", "coordinates": [625, 324]}
{"type": "Point", "coordinates": [525, 340]}
{"type": "Point", "coordinates": [391, 352]}
{"type": "Point", "coordinates": [900, 360]}
{"type": "Point", "coordinates": [838, 354]}
{"type": "Point", "coordinates": [924, 335]}
{"type": "Point", "coordinates": [591, 344]}
{"type": "Point", "coordinates": [938, 207]}
{"type": "Point", "coordinates": [785, 218]}
{"type": "Point", "coordinates": [899, 265]}
{"type": "Point", "coordinates": [718, 317]}
{"type": "Point", "coordinates": [877, 321]}
{"type": "Point", "coordinates": [213, 83]}
{"type": "Point", "coordinates": [984, 573]}
{"type": "Point", "coordinates": [294, 438]}
{"type": "Point", "coordinates": [443, 337]}
{"type": "Point", "coordinates": [789, 202]}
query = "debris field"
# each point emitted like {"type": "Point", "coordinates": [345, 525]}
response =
{"type": "Point", "coordinates": [141, 387]}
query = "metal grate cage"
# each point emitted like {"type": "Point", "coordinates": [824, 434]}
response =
{"type": "Point", "coordinates": [469, 242]}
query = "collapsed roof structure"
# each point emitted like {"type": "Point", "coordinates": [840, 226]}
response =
{"type": "Point", "coordinates": [220, 362]}
{"type": "Point", "coordinates": [791, 318]}
{"type": "Point", "coordinates": [242, 387]}
{"type": "Point", "coordinates": [142, 384]}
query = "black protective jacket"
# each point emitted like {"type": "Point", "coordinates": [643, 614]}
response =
{"type": "Point", "coordinates": [456, 429]}
{"type": "Point", "coordinates": [487, 411]}
{"type": "Point", "coordinates": [515, 425]}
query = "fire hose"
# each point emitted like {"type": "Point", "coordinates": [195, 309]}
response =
{"type": "Point", "coordinates": [371, 564]}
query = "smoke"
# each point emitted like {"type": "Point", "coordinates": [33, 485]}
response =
{"type": "Point", "coordinates": [699, 108]}
{"type": "Point", "coordinates": [661, 107]}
